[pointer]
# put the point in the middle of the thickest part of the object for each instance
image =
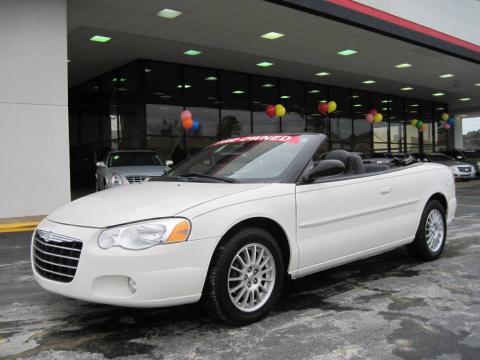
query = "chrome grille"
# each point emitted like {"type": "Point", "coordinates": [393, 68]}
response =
{"type": "Point", "coordinates": [56, 256]}
{"type": "Point", "coordinates": [465, 169]}
{"type": "Point", "coordinates": [136, 179]}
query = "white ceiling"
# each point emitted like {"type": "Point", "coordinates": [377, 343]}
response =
{"type": "Point", "coordinates": [228, 33]}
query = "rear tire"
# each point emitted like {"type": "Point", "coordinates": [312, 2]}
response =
{"type": "Point", "coordinates": [431, 234]}
{"type": "Point", "coordinates": [245, 278]}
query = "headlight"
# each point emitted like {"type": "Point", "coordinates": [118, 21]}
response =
{"type": "Point", "coordinates": [116, 180]}
{"type": "Point", "coordinates": [146, 234]}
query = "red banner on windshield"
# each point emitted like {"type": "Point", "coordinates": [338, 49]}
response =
{"type": "Point", "coordinates": [275, 138]}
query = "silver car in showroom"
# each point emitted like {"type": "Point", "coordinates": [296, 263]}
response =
{"type": "Point", "coordinates": [461, 170]}
{"type": "Point", "coordinates": [122, 167]}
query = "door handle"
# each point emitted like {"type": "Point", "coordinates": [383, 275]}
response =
{"type": "Point", "coordinates": [386, 190]}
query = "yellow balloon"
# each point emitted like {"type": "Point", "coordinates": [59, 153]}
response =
{"type": "Point", "coordinates": [378, 117]}
{"type": "Point", "coordinates": [332, 106]}
{"type": "Point", "coordinates": [280, 110]}
{"type": "Point", "coordinates": [414, 122]}
{"type": "Point", "coordinates": [444, 116]}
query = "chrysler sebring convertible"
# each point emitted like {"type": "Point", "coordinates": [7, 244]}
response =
{"type": "Point", "coordinates": [231, 224]}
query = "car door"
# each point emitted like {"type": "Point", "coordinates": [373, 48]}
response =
{"type": "Point", "coordinates": [344, 219]}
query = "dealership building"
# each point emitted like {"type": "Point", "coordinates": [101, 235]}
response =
{"type": "Point", "coordinates": [81, 77]}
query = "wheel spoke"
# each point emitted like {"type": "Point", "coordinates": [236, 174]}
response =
{"type": "Point", "coordinates": [251, 277]}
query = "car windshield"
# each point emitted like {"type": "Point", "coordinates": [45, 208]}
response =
{"type": "Point", "coordinates": [245, 159]}
{"type": "Point", "coordinates": [472, 154]}
{"type": "Point", "coordinates": [440, 157]}
{"type": "Point", "coordinates": [134, 158]}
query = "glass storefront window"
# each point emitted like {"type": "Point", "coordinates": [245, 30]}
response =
{"type": "Point", "coordinates": [235, 104]}
{"type": "Point", "coordinates": [362, 129]}
{"type": "Point", "coordinates": [341, 125]}
{"type": "Point", "coordinates": [381, 129]}
{"type": "Point", "coordinates": [441, 134]}
{"type": "Point", "coordinates": [292, 96]}
{"type": "Point", "coordinates": [397, 123]}
{"type": "Point", "coordinates": [201, 98]}
{"type": "Point", "coordinates": [412, 111]}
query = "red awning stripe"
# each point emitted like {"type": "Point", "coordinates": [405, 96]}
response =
{"type": "Point", "coordinates": [382, 15]}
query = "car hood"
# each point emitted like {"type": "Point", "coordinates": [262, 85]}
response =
{"type": "Point", "coordinates": [124, 204]}
{"type": "Point", "coordinates": [138, 170]}
{"type": "Point", "coordinates": [452, 163]}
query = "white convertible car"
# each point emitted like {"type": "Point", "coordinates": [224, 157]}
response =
{"type": "Point", "coordinates": [229, 225]}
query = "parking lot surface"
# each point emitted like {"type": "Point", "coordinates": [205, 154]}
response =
{"type": "Point", "coordinates": [385, 307]}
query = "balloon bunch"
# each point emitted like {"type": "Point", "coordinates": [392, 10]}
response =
{"type": "Point", "coordinates": [277, 110]}
{"type": "Point", "coordinates": [374, 116]}
{"type": "Point", "coordinates": [188, 123]}
{"type": "Point", "coordinates": [327, 107]}
{"type": "Point", "coordinates": [419, 124]}
{"type": "Point", "coordinates": [448, 121]}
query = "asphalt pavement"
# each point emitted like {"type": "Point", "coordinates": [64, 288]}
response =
{"type": "Point", "coordinates": [385, 307]}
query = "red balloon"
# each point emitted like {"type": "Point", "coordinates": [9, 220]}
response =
{"type": "Point", "coordinates": [323, 108]}
{"type": "Point", "coordinates": [270, 111]}
{"type": "Point", "coordinates": [373, 112]}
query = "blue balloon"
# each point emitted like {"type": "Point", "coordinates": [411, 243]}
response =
{"type": "Point", "coordinates": [196, 125]}
{"type": "Point", "coordinates": [451, 121]}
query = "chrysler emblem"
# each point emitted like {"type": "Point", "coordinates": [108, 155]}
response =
{"type": "Point", "coordinates": [47, 236]}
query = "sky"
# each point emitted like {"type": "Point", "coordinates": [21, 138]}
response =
{"type": "Point", "coordinates": [470, 124]}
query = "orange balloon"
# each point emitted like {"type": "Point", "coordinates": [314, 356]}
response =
{"type": "Point", "coordinates": [187, 123]}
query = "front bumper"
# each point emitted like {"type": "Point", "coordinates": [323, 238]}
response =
{"type": "Point", "coordinates": [165, 275]}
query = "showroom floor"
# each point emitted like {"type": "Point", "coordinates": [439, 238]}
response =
{"type": "Point", "coordinates": [386, 307]}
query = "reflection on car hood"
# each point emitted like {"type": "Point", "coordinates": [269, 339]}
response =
{"type": "Point", "coordinates": [138, 170]}
{"type": "Point", "coordinates": [124, 204]}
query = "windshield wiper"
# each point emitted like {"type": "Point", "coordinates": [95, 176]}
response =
{"type": "Point", "coordinates": [219, 178]}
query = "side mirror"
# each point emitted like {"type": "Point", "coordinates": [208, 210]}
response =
{"type": "Point", "coordinates": [324, 168]}
{"type": "Point", "coordinates": [169, 163]}
{"type": "Point", "coordinates": [100, 164]}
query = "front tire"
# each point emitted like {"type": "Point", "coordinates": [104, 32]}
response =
{"type": "Point", "coordinates": [245, 278]}
{"type": "Point", "coordinates": [431, 234]}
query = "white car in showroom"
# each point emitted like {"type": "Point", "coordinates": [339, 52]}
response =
{"type": "Point", "coordinates": [230, 224]}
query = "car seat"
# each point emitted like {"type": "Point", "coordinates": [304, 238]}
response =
{"type": "Point", "coordinates": [353, 163]}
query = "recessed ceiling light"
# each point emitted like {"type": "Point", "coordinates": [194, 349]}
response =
{"type": "Point", "coordinates": [238, 92]}
{"type": "Point", "coordinates": [100, 38]}
{"type": "Point", "coordinates": [322, 101]}
{"type": "Point", "coordinates": [323, 73]}
{"type": "Point", "coordinates": [121, 79]}
{"type": "Point", "coordinates": [438, 94]}
{"type": "Point", "coordinates": [169, 13]}
{"type": "Point", "coordinates": [465, 99]}
{"type": "Point", "coordinates": [147, 70]}
{"type": "Point", "coordinates": [369, 82]}
{"type": "Point", "coordinates": [406, 88]}
{"type": "Point", "coordinates": [186, 86]}
{"type": "Point", "coordinates": [314, 91]}
{"type": "Point", "coordinates": [446, 76]}
{"type": "Point", "coordinates": [357, 105]}
{"type": "Point", "coordinates": [439, 108]}
{"type": "Point", "coordinates": [211, 78]}
{"type": "Point", "coordinates": [386, 101]}
{"type": "Point", "coordinates": [211, 98]}
{"type": "Point", "coordinates": [285, 97]}
{"type": "Point", "coordinates": [355, 96]}
{"type": "Point", "coordinates": [192, 52]}
{"type": "Point", "coordinates": [403, 66]}
{"type": "Point", "coordinates": [347, 52]}
{"type": "Point", "coordinates": [265, 64]}
{"type": "Point", "coordinates": [414, 105]}
{"type": "Point", "coordinates": [272, 35]}
{"type": "Point", "coordinates": [268, 85]}
{"type": "Point", "coordinates": [477, 84]}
